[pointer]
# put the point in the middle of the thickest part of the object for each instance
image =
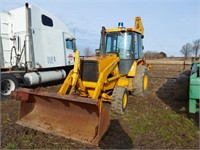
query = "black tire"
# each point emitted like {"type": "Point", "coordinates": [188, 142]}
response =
{"type": "Point", "coordinates": [119, 100]}
{"type": "Point", "coordinates": [141, 81]}
{"type": "Point", "coordinates": [8, 83]}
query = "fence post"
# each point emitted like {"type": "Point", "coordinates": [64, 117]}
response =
{"type": "Point", "coordinates": [184, 65]}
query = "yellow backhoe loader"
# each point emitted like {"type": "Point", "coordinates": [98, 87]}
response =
{"type": "Point", "coordinates": [78, 110]}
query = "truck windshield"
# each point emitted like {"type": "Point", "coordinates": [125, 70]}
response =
{"type": "Point", "coordinates": [121, 43]}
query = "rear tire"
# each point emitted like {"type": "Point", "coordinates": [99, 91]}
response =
{"type": "Point", "coordinates": [119, 100]}
{"type": "Point", "coordinates": [141, 81]}
{"type": "Point", "coordinates": [8, 83]}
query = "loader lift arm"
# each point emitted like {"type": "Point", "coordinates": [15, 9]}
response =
{"type": "Point", "coordinates": [73, 80]}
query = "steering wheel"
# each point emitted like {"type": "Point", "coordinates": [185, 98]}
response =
{"type": "Point", "coordinates": [116, 49]}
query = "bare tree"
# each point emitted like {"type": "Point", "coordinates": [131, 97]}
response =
{"type": "Point", "coordinates": [87, 51]}
{"type": "Point", "coordinates": [196, 47]}
{"type": "Point", "coordinates": [186, 50]}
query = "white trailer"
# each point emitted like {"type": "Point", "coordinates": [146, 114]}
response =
{"type": "Point", "coordinates": [35, 47]}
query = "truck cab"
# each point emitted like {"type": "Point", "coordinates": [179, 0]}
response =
{"type": "Point", "coordinates": [33, 42]}
{"type": "Point", "coordinates": [34, 38]}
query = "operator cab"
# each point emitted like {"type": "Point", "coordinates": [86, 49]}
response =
{"type": "Point", "coordinates": [126, 42]}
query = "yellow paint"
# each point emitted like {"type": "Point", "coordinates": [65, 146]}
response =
{"type": "Point", "coordinates": [90, 92]}
{"type": "Point", "coordinates": [89, 84]}
{"type": "Point", "coordinates": [145, 82]}
{"type": "Point", "coordinates": [106, 70]}
{"type": "Point", "coordinates": [138, 25]}
{"type": "Point", "coordinates": [114, 30]}
{"type": "Point", "coordinates": [106, 60]}
{"type": "Point", "coordinates": [72, 79]}
{"type": "Point", "coordinates": [123, 81]}
{"type": "Point", "coordinates": [122, 30]}
{"type": "Point", "coordinates": [132, 71]}
{"type": "Point", "coordinates": [125, 98]}
{"type": "Point", "coordinates": [107, 65]}
{"type": "Point", "coordinates": [66, 84]}
{"type": "Point", "coordinates": [106, 96]}
{"type": "Point", "coordinates": [76, 62]}
{"type": "Point", "coordinates": [109, 85]}
{"type": "Point", "coordinates": [75, 75]}
{"type": "Point", "coordinates": [114, 78]}
{"type": "Point", "coordinates": [80, 86]}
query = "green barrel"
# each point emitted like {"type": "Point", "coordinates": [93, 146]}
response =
{"type": "Point", "coordinates": [194, 90]}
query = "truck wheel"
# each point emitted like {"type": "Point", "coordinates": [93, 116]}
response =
{"type": "Point", "coordinates": [8, 83]}
{"type": "Point", "coordinates": [141, 81]}
{"type": "Point", "coordinates": [119, 100]}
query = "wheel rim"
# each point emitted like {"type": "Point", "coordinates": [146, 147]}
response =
{"type": "Point", "coordinates": [124, 104]}
{"type": "Point", "coordinates": [7, 86]}
{"type": "Point", "coordinates": [145, 83]}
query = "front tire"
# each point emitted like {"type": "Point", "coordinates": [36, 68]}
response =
{"type": "Point", "coordinates": [8, 84]}
{"type": "Point", "coordinates": [141, 81]}
{"type": "Point", "coordinates": [119, 100]}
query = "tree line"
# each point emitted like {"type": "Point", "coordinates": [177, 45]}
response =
{"type": "Point", "coordinates": [154, 55]}
{"type": "Point", "coordinates": [147, 55]}
{"type": "Point", "coordinates": [191, 49]}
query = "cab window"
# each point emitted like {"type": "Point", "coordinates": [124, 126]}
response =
{"type": "Point", "coordinates": [121, 43]}
{"type": "Point", "coordinates": [69, 44]}
{"type": "Point", "coordinates": [47, 21]}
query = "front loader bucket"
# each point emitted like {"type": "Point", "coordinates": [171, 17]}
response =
{"type": "Point", "coordinates": [73, 117]}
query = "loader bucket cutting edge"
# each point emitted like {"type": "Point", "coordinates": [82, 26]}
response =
{"type": "Point", "coordinates": [77, 118]}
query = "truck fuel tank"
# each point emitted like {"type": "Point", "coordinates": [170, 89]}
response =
{"type": "Point", "coordinates": [36, 78]}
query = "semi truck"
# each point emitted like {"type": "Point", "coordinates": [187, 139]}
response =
{"type": "Point", "coordinates": [35, 47]}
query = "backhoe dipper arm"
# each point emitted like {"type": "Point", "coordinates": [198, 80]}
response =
{"type": "Point", "coordinates": [138, 25]}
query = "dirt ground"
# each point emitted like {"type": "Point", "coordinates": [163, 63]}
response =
{"type": "Point", "coordinates": [158, 121]}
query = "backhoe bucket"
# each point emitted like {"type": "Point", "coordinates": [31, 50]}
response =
{"type": "Point", "coordinates": [73, 117]}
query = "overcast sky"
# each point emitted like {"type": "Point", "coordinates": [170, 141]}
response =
{"type": "Point", "coordinates": [168, 24]}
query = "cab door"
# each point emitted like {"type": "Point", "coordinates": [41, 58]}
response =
{"type": "Point", "coordinates": [69, 47]}
{"type": "Point", "coordinates": [138, 46]}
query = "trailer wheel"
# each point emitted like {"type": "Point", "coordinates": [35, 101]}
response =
{"type": "Point", "coordinates": [141, 81]}
{"type": "Point", "coordinates": [8, 83]}
{"type": "Point", "coordinates": [119, 100]}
